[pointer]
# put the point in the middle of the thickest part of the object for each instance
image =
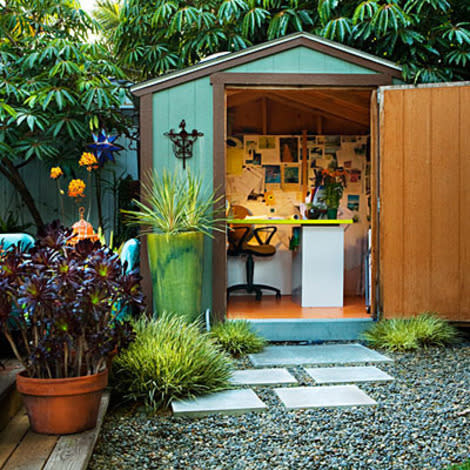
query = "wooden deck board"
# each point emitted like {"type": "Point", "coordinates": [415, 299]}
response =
{"type": "Point", "coordinates": [11, 436]}
{"type": "Point", "coordinates": [22, 449]}
{"type": "Point", "coordinates": [32, 453]}
{"type": "Point", "coordinates": [73, 452]}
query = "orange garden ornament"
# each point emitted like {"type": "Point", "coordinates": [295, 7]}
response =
{"type": "Point", "coordinates": [82, 230]}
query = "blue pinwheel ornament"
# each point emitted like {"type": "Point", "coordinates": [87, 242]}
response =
{"type": "Point", "coordinates": [103, 145]}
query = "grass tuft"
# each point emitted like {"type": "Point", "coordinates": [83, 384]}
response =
{"type": "Point", "coordinates": [237, 338]}
{"type": "Point", "coordinates": [408, 334]}
{"type": "Point", "coordinates": [170, 359]}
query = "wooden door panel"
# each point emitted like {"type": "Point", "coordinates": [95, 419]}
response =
{"type": "Point", "coordinates": [425, 200]}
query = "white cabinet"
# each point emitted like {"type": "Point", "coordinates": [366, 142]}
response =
{"type": "Point", "coordinates": [318, 266]}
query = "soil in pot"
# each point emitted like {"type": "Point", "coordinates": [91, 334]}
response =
{"type": "Point", "coordinates": [176, 264]}
{"type": "Point", "coordinates": [62, 406]}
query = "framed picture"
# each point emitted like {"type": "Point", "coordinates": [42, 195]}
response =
{"type": "Point", "coordinates": [289, 147]}
{"type": "Point", "coordinates": [268, 146]}
{"type": "Point", "coordinates": [251, 147]}
{"type": "Point", "coordinates": [272, 174]}
{"type": "Point", "coordinates": [291, 177]}
{"type": "Point", "coordinates": [353, 202]}
{"type": "Point", "coordinates": [266, 142]}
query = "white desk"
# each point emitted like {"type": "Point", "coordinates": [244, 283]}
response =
{"type": "Point", "coordinates": [317, 266]}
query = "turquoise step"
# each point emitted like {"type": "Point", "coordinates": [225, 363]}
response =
{"type": "Point", "coordinates": [312, 330]}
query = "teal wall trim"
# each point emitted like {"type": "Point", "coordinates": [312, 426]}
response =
{"type": "Point", "coordinates": [192, 102]}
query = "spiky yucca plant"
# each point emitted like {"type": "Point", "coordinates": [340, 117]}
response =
{"type": "Point", "coordinates": [170, 359]}
{"type": "Point", "coordinates": [175, 203]}
{"type": "Point", "coordinates": [237, 338]}
{"type": "Point", "coordinates": [407, 334]}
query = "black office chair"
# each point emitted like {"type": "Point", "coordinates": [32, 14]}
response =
{"type": "Point", "coordinates": [238, 238]}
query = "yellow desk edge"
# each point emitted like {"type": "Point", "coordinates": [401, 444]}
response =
{"type": "Point", "coordinates": [289, 221]}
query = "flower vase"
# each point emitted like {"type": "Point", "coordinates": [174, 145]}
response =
{"type": "Point", "coordinates": [332, 213]}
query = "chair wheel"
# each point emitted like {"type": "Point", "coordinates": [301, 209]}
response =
{"type": "Point", "coordinates": [278, 296]}
{"type": "Point", "coordinates": [258, 296]}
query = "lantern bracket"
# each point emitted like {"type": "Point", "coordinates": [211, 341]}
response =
{"type": "Point", "coordinates": [183, 142]}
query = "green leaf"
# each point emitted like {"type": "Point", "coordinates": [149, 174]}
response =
{"type": "Point", "coordinates": [338, 29]}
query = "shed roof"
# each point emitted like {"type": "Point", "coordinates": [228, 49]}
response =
{"type": "Point", "coordinates": [226, 61]}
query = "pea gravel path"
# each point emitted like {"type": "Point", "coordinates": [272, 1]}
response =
{"type": "Point", "coordinates": [421, 421]}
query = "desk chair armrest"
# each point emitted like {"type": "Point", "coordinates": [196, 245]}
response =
{"type": "Point", "coordinates": [269, 230]}
{"type": "Point", "coordinates": [237, 244]}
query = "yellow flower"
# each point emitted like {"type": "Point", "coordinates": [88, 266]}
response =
{"type": "Point", "coordinates": [76, 188]}
{"type": "Point", "coordinates": [89, 160]}
{"type": "Point", "coordinates": [56, 172]}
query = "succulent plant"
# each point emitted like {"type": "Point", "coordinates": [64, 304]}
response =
{"type": "Point", "coordinates": [60, 305]}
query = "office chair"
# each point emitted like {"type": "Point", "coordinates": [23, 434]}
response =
{"type": "Point", "coordinates": [238, 238]}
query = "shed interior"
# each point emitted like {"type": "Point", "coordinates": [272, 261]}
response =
{"type": "Point", "coordinates": [268, 129]}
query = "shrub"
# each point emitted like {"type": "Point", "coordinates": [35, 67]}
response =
{"type": "Point", "coordinates": [237, 338]}
{"type": "Point", "coordinates": [461, 466]}
{"type": "Point", "coordinates": [407, 334]}
{"type": "Point", "coordinates": [170, 359]}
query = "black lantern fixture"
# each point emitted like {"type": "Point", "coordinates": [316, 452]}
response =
{"type": "Point", "coordinates": [183, 142]}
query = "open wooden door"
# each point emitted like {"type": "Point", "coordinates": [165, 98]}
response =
{"type": "Point", "coordinates": [423, 184]}
{"type": "Point", "coordinates": [374, 220]}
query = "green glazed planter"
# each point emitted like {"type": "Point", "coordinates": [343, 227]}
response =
{"type": "Point", "coordinates": [331, 213]}
{"type": "Point", "coordinates": [176, 267]}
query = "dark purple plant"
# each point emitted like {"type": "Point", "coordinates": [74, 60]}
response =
{"type": "Point", "coordinates": [65, 304]}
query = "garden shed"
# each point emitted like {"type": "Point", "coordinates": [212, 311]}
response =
{"type": "Point", "coordinates": [414, 181]}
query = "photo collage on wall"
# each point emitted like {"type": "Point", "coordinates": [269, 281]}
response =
{"type": "Point", "coordinates": [278, 159]}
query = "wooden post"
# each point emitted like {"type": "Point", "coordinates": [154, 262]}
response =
{"type": "Point", "coordinates": [319, 125]}
{"type": "Point", "coordinates": [304, 165]}
{"type": "Point", "coordinates": [264, 115]}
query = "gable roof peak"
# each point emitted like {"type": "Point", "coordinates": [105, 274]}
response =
{"type": "Point", "coordinates": [223, 61]}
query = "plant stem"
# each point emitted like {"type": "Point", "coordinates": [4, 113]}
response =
{"type": "Point", "coordinates": [98, 198]}
{"type": "Point", "coordinates": [14, 177]}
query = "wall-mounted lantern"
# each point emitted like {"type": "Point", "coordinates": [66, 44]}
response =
{"type": "Point", "coordinates": [183, 142]}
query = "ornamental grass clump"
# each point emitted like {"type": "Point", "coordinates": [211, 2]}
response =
{"type": "Point", "coordinates": [408, 334]}
{"type": "Point", "coordinates": [170, 359]}
{"type": "Point", "coordinates": [173, 204]}
{"type": "Point", "coordinates": [237, 338]}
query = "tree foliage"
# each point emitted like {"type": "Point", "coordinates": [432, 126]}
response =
{"type": "Point", "coordinates": [55, 86]}
{"type": "Point", "coordinates": [429, 38]}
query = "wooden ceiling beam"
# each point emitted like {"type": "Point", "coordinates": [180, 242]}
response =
{"type": "Point", "coordinates": [306, 107]}
{"type": "Point", "coordinates": [351, 101]}
{"type": "Point", "coordinates": [325, 110]}
{"type": "Point", "coordinates": [360, 115]}
{"type": "Point", "coordinates": [243, 98]}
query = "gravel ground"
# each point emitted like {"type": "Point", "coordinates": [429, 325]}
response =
{"type": "Point", "coordinates": [422, 421]}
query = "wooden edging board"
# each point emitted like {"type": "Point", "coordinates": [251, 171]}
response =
{"type": "Point", "coordinates": [20, 448]}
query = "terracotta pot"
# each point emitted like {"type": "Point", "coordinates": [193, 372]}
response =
{"type": "Point", "coordinates": [62, 406]}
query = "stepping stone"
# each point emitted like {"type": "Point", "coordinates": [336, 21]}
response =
{"type": "Point", "coordinates": [336, 375]}
{"type": "Point", "coordinates": [262, 377]}
{"type": "Point", "coordinates": [323, 397]}
{"type": "Point", "coordinates": [349, 353]}
{"type": "Point", "coordinates": [228, 402]}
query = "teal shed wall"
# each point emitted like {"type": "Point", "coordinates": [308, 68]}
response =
{"type": "Point", "coordinates": [192, 101]}
{"type": "Point", "coordinates": [300, 60]}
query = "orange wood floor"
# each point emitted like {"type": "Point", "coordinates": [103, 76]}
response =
{"type": "Point", "coordinates": [245, 306]}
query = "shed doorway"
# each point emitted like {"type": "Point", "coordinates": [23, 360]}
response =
{"type": "Point", "coordinates": [267, 132]}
